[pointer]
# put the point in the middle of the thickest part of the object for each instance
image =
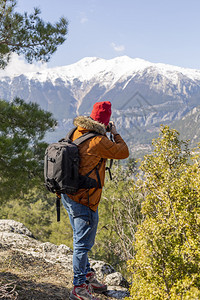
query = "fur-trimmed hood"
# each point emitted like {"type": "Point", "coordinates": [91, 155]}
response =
{"type": "Point", "coordinates": [90, 124]}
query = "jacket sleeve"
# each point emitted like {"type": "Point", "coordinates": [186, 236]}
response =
{"type": "Point", "coordinates": [105, 148]}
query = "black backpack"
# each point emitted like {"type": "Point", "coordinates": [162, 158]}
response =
{"type": "Point", "coordinates": [61, 167]}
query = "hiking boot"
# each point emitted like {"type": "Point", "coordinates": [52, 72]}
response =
{"type": "Point", "coordinates": [81, 292]}
{"type": "Point", "coordinates": [95, 284]}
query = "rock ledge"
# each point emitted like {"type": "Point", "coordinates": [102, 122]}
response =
{"type": "Point", "coordinates": [14, 235]}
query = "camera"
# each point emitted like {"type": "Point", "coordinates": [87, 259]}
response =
{"type": "Point", "coordinates": [109, 127]}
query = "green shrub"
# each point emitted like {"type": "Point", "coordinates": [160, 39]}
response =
{"type": "Point", "coordinates": [167, 260]}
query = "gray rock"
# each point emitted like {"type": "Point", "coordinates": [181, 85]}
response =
{"type": "Point", "coordinates": [15, 227]}
{"type": "Point", "coordinates": [101, 268]}
{"type": "Point", "coordinates": [48, 247]}
{"type": "Point", "coordinates": [116, 279]}
{"type": "Point", "coordinates": [64, 249]}
{"type": "Point", "coordinates": [117, 293]}
{"type": "Point", "coordinates": [18, 241]}
{"type": "Point", "coordinates": [52, 248]}
{"type": "Point", "coordinates": [16, 236]}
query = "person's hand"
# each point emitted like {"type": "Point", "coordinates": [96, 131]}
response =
{"type": "Point", "coordinates": [113, 128]}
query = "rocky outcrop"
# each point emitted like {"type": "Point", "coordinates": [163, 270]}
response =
{"type": "Point", "coordinates": [14, 235]}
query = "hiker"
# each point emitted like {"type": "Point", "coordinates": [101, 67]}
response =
{"type": "Point", "coordinates": [82, 207]}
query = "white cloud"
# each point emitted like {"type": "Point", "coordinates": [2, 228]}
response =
{"type": "Point", "coordinates": [84, 20]}
{"type": "Point", "coordinates": [117, 48]}
{"type": "Point", "coordinates": [18, 66]}
{"type": "Point", "coordinates": [83, 17]}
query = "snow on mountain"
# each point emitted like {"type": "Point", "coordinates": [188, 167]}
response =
{"type": "Point", "coordinates": [143, 94]}
{"type": "Point", "coordinates": [107, 73]}
{"type": "Point", "coordinates": [114, 69]}
{"type": "Point", "coordinates": [90, 67]}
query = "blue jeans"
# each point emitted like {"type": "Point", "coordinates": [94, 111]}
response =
{"type": "Point", "coordinates": [84, 223]}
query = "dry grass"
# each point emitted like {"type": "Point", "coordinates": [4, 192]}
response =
{"type": "Point", "coordinates": [24, 277]}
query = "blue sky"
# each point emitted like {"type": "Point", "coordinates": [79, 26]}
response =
{"type": "Point", "coordinates": [164, 31]}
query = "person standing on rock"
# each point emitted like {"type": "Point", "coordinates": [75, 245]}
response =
{"type": "Point", "coordinates": [82, 207]}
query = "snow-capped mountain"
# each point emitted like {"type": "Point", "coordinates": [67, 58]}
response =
{"type": "Point", "coordinates": [143, 94]}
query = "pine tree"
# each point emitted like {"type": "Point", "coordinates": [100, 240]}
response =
{"type": "Point", "coordinates": [22, 129]}
{"type": "Point", "coordinates": [167, 260]}
{"type": "Point", "coordinates": [28, 34]}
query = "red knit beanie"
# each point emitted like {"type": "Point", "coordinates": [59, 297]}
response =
{"type": "Point", "coordinates": [101, 112]}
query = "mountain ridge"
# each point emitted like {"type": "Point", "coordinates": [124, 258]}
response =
{"type": "Point", "coordinates": [143, 94]}
{"type": "Point", "coordinates": [129, 64]}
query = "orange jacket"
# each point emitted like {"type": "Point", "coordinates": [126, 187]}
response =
{"type": "Point", "coordinates": [91, 152]}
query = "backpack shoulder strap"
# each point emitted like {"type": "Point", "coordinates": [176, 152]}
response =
{"type": "Point", "coordinates": [70, 133]}
{"type": "Point", "coordinates": [86, 136]}
{"type": "Point", "coordinates": [68, 136]}
{"type": "Point", "coordinates": [81, 139]}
